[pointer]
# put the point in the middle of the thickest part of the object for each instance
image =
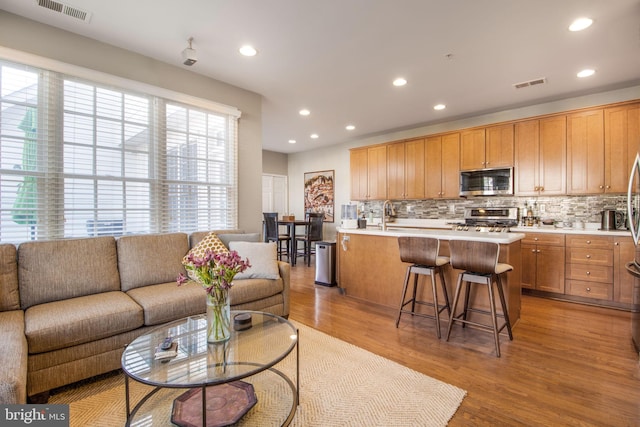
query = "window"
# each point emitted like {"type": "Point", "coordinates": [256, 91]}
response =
{"type": "Point", "coordinates": [81, 158]}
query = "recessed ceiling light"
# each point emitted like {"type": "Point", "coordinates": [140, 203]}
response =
{"type": "Point", "coordinates": [305, 112]}
{"type": "Point", "coordinates": [586, 73]}
{"type": "Point", "coordinates": [439, 107]}
{"type": "Point", "coordinates": [349, 127]}
{"type": "Point", "coordinates": [580, 24]}
{"type": "Point", "coordinates": [292, 141]}
{"type": "Point", "coordinates": [314, 136]}
{"type": "Point", "coordinates": [247, 50]}
{"type": "Point", "coordinates": [400, 81]}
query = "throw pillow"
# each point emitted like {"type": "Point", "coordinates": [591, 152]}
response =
{"type": "Point", "coordinates": [242, 237]}
{"type": "Point", "coordinates": [262, 257]}
{"type": "Point", "coordinates": [210, 242]}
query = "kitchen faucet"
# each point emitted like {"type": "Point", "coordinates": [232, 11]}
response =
{"type": "Point", "coordinates": [384, 213]}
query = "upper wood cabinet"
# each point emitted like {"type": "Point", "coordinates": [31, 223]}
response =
{"type": "Point", "coordinates": [442, 171]}
{"type": "Point", "coordinates": [405, 170]}
{"type": "Point", "coordinates": [358, 166]}
{"type": "Point", "coordinates": [540, 157]}
{"type": "Point", "coordinates": [369, 173]}
{"type": "Point", "coordinates": [621, 143]}
{"type": "Point", "coordinates": [586, 153]}
{"type": "Point", "coordinates": [487, 148]}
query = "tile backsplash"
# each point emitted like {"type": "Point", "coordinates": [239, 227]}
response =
{"type": "Point", "coordinates": [560, 208]}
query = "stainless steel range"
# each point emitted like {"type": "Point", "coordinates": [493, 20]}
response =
{"type": "Point", "coordinates": [496, 220]}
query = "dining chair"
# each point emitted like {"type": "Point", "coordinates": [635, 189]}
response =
{"type": "Point", "coordinates": [313, 233]}
{"type": "Point", "coordinates": [272, 234]}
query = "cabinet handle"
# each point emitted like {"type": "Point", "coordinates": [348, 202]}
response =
{"type": "Point", "coordinates": [538, 251]}
{"type": "Point", "coordinates": [536, 188]}
{"type": "Point", "coordinates": [588, 256]}
{"type": "Point", "coordinates": [617, 243]}
{"type": "Point", "coordinates": [588, 289]}
{"type": "Point", "coordinates": [601, 187]}
{"type": "Point", "coordinates": [533, 251]}
{"type": "Point", "coordinates": [588, 273]}
{"type": "Point", "coordinates": [541, 188]}
{"type": "Point", "coordinates": [588, 242]}
{"type": "Point", "coordinates": [607, 187]}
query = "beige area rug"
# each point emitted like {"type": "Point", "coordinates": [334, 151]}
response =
{"type": "Point", "coordinates": [340, 385]}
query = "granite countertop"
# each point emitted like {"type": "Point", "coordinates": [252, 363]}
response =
{"type": "Point", "coordinates": [404, 225]}
{"type": "Point", "coordinates": [442, 234]}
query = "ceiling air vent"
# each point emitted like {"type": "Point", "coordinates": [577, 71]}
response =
{"type": "Point", "coordinates": [65, 9]}
{"type": "Point", "coordinates": [530, 83]}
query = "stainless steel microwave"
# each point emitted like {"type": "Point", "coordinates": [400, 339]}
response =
{"type": "Point", "coordinates": [486, 182]}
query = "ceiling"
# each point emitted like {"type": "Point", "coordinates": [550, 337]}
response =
{"type": "Point", "coordinates": [338, 58]}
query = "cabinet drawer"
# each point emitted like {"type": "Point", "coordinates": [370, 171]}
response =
{"type": "Point", "coordinates": [589, 256]}
{"type": "Point", "coordinates": [589, 241]}
{"type": "Point", "coordinates": [544, 239]}
{"type": "Point", "coordinates": [589, 289]}
{"type": "Point", "coordinates": [590, 273]}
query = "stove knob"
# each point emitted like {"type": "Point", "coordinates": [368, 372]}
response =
{"type": "Point", "coordinates": [465, 228]}
{"type": "Point", "coordinates": [478, 228]}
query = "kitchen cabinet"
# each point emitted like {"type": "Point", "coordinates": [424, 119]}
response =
{"type": "Point", "coordinates": [358, 167]}
{"type": "Point", "coordinates": [368, 167]}
{"type": "Point", "coordinates": [540, 157]}
{"type": "Point", "coordinates": [623, 252]}
{"type": "Point", "coordinates": [442, 166]}
{"type": "Point", "coordinates": [586, 153]}
{"type": "Point", "coordinates": [621, 143]}
{"type": "Point", "coordinates": [491, 147]}
{"type": "Point", "coordinates": [543, 262]}
{"type": "Point", "coordinates": [405, 170]}
{"type": "Point", "coordinates": [589, 271]}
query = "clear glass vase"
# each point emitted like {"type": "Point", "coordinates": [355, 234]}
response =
{"type": "Point", "coordinates": [218, 317]}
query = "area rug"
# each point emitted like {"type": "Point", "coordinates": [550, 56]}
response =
{"type": "Point", "coordinates": [340, 385]}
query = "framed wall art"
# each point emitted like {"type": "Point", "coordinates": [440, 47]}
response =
{"type": "Point", "coordinates": [318, 193]}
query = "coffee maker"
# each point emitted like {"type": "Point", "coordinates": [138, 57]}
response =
{"type": "Point", "coordinates": [612, 219]}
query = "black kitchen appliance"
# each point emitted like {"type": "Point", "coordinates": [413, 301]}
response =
{"type": "Point", "coordinates": [493, 219]}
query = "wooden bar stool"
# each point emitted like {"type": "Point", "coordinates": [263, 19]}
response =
{"type": "Point", "coordinates": [479, 262]}
{"type": "Point", "coordinates": [422, 252]}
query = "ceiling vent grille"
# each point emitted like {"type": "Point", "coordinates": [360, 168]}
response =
{"type": "Point", "coordinates": [530, 83]}
{"type": "Point", "coordinates": [65, 9]}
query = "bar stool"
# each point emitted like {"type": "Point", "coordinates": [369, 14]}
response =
{"type": "Point", "coordinates": [422, 252]}
{"type": "Point", "coordinates": [479, 262]}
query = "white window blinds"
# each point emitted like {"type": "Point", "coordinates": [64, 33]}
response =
{"type": "Point", "coordinates": [80, 158]}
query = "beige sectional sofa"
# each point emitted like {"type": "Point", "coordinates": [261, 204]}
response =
{"type": "Point", "coordinates": [69, 307]}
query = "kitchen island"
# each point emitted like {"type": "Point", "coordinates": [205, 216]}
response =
{"type": "Point", "coordinates": [370, 269]}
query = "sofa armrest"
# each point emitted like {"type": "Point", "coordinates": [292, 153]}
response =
{"type": "Point", "coordinates": [13, 358]}
{"type": "Point", "coordinates": [285, 274]}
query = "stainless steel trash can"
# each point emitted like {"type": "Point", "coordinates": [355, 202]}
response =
{"type": "Point", "coordinates": [326, 263]}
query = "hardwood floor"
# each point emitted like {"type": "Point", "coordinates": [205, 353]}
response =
{"type": "Point", "coordinates": [568, 365]}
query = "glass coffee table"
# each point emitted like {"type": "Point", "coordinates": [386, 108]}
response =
{"type": "Point", "coordinates": [212, 373]}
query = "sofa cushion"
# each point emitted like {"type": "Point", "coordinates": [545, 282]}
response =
{"type": "Point", "coordinates": [13, 358]}
{"type": "Point", "coordinates": [262, 257]}
{"type": "Point", "coordinates": [165, 302]}
{"type": "Point", "coordinates": [150, 259]}
{"type": "Point", "coordinates": [74, 321]}
{"type": "Point", "coordinates": [248, 290]}
{"type": "Point", "coordinates": [62, 269]}
{"type": "Point", "coordinates": [9, 296]}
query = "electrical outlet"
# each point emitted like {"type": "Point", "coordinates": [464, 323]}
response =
{"type": "Point", "coordinates": [452, 208]}
{"type": "Point", "coordinates": [409, 209]}
{"type": "Point", "coordinates": [541, 208]}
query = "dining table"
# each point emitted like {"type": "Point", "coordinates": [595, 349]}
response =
{"type": "Point", "coordinates": [291, 225]}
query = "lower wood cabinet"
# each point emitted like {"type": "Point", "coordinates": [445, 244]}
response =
{"type": "Point", "coordinates": [543, 262]}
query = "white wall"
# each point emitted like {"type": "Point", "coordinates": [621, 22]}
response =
{"type": "Point", "coordinates": [337, 157]}
{"type": "Point", "coordinates": [32, 37]}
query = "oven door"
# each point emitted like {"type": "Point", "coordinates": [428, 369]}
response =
{"type": "Point", "coordinates": [633, 201]}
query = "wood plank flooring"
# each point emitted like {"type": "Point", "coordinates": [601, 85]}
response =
{"type": "Point", "coordinates": [568, 365]}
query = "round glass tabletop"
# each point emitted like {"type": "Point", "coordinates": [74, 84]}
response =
{"type": "Point", "coordinates": [197, 363]}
